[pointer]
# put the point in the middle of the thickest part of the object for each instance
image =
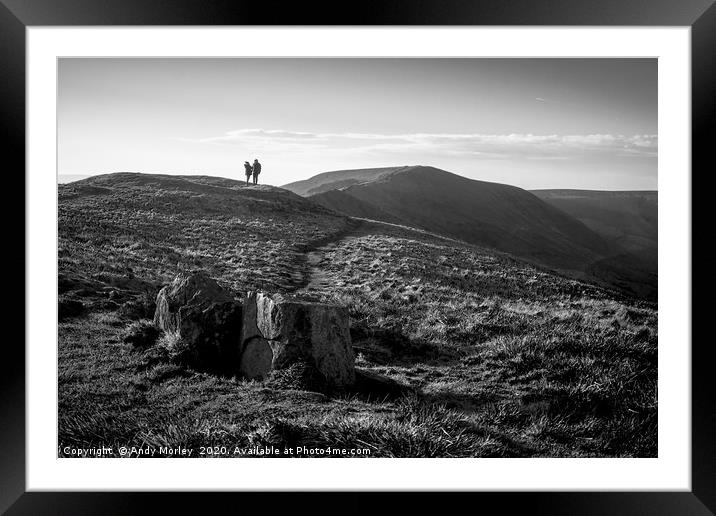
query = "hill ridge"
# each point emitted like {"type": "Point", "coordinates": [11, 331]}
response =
{"type": "Point", "coordinates": [502, 217]}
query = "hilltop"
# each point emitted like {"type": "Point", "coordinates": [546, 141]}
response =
{"type": "Point", "coordinates": [154, 225]}
{"type": "Point", "coordinates": [494, 356]}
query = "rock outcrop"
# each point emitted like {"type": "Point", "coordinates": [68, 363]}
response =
{"type": "Point", "coordinates": [202, 320]}
{"type": "Point", "coordinates": [279, 331]}
{"type": "Point", "coordinates": [209, 329]}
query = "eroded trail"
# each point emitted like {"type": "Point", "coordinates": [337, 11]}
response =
{"type": "Point", "coordinates": [311, 278]}
{"type": "Point", "coordinates": [318, 280]}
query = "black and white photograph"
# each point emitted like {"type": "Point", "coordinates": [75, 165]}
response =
{"type": "Point", "coordinates": [357, 257]}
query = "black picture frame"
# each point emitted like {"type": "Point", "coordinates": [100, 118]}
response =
{"type": "Point", "coordinates": [17, 15]}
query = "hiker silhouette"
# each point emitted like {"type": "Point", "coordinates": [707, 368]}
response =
{"type": "Point", "coordinates": [256, 170]}
{"type": "Point", "coordinates": [248, 170]}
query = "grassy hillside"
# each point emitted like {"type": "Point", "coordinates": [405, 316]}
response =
{"type": "Point", "coordinates": [338, 179]}
{"type": "Point", "coordinates": [490, 356]}
{"type": "Point", "coordinates": [342, 201]}
{"type": "Point", "coordinates": [511, 220]}
{"type": "Point", "coordinates": [141, 229]}
{"type": "Point", "coordinates": [494, 215]}
{"type": "Point", "coordinates": [628, 218]}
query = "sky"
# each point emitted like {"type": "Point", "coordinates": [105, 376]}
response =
{"type": "Point", "coordinates": [532, 123]}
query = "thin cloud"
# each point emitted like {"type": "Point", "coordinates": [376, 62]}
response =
{"type": "Point", "coordinates": [488, 146]}
{"type": "Point", "coordinates": [547, 101]}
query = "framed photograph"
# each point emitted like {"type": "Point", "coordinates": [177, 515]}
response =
{"type": "Point", "coordinates": [448, 246]}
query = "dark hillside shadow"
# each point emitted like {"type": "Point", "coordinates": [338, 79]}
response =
{"type": "Point", "coordinates": [393, 347]}
{"type": "Point", "coordinates": [462, 402]}
{"type": "Point", "coordinates": [375, 387]}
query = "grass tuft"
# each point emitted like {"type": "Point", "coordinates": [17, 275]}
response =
{"type": "Point", "coordinates": [141, 334]}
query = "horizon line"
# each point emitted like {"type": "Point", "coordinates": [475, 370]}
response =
{"type": "Point", "coordinates": [81, 177]}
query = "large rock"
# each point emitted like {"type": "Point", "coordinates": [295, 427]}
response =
{"type": "Point", "coordinates": [203, 321]}
{"type": "Point", "coordinates": [279, 332]}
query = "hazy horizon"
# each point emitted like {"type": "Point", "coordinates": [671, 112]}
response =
{"type": "Point", "coordinates": [70, 178]}
{"type": "Point", "coordinates": [533, 123]}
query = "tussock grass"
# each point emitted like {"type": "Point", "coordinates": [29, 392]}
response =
{"type": "Point", "coordinates": [416, 429]}
{"type": "Point", "coordinates": [141, 334]}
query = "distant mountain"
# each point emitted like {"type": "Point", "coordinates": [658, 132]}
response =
{"type": "Point", "coordinates": [338, 179]}
{"type": "Point", "coordinates": [498, 216]}
{"type": "Point", "coordinates": [628, 218]}
{"type": "Point", "coordinates": [344, 202]}
{"type": "Point", "coordinates": [503, 217]}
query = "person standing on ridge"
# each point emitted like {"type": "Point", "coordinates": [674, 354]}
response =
{"type": "Point", "coordinates": [248, 170]}
{"type": "Point", "coordinates": [257, 170]}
